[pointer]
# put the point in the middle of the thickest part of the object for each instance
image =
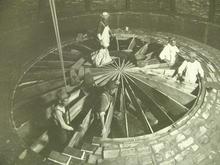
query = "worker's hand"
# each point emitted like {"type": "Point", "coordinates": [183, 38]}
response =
{"type": "Point", "coordinates": [70, 128]}
{"type": "Point", "coordinates": [104, 131]}
{"type": "Point", "coordinates": [99, 37]}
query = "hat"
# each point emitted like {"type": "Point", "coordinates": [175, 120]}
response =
{"type": "Point", "coordinates": [105, 15]}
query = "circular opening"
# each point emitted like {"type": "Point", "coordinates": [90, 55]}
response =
{"type": "Point", "coordinates": [136, 92]}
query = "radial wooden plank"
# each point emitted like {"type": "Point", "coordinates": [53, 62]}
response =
{"type": "Point", "coordinates": [159, 65]}
{"type": "Point", "coordinates": [176, 94]}
{"type": "Point", "coordinates": [45, 97]}
{"type": "Point", "coordinates": [117, 43]}
{"type": "Point", "coordinates": [141, 52]}
{"type": "Point", "coordinates": [146, 73]}
{"type": "Point", "coordinates": [105, 81]}
{"type": "Point", "coordinates": [53, 64]}
{"type": "Point", "coordinates": [165, 101]}
{"type": "Point", "coordinates": [78, 135]}
{"type": "Point", "coordinates": [43, 75]}
{"type": "Point", "coordinates": [98, 71]}
{"type": "Point", "coordinates": [132, 43]}
{"type": "Point", "coordinates": [183, 86]}
{"type": "Point", "coordinates": [109, 117]}
{"type": "Point", "coordinates": [162, 72]}
{"type": "Point", "coordinates": [104, 78]}
{"type": "Point", "coordinates": [155, 103]}
{"type": "Point", "coordinates": [137, 105]}
{"type": "Point", "coordinates": [123, 107]}
{"type": "Point", "coordinates": [77, 108]}
{"type": "Point", "coordinates": [38, 89]}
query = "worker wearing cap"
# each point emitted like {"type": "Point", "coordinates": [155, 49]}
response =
{"type": "Point", "coordinates": [192, 68]}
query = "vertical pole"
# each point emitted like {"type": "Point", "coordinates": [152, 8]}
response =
{"type": "Point", "coordinates": [128, 4]}
{"type": "Point", "coordinates": [59, 47]}
{"type": "Point", "coordinates": [87, 5]}
{"type": "Point", "coordinates": [173, 6]}
{"type": "Point", "coordinates": [211, 10]}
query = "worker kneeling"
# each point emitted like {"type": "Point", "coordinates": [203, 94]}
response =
{"type": "Point", "coordinates": [190, 69]}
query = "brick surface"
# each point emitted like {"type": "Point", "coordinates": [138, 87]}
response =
{"type": "Point", "coordinates": [131, 160]}
{"type": "Point", "coordinates": [199, 158]}
{"type": "Point", "coordinates": [89, 147]}
{"type": "Point", "coordinates": [58, 157]}
{"type": "Point", "coordinates": [170, 162]}
{"type": "Point", "coordinates": [73, 152]}
{"type": "Point", "coordinates": [180, 137]}
{"type": "Point", "coordinates": [111, 153]}
{"type": "Point", "coordinates": [128, 152]}
{"type": "Point", "coordinates": [143, 150]}
{"type": "Point", "coordinates": [92, 159]}
{"type": "Point", "coordinates": [145, 160]}
{"type": "Point", "coordinates": [74, 161]}
{"type": "Point", "coordinates": [186, 143]}
{"type": "Point", "coordinates": [158, 147]}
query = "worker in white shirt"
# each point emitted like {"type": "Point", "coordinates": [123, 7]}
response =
{"type": "Point", "coordinates": [169, 52]}
{"type": "Point", "coordinates": [102, 57]}
{"type": "Point", "coordinates": [191, 69]}
{"type": "Point", "coordinates": [104, 32]}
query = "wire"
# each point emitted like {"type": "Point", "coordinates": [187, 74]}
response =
{"type": "Point", "coordinates": [59, 46]}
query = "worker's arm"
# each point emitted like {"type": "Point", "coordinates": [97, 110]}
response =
{"type": "Point", "coordinates": [62, 122]}
{"type": "Point", "coordinates": [164, 53]}
{"type": "Point", "coordinates": [182, 68]}
{"type": "Point", "coordinates": [177, 50]}
{"type": "Point", "coordinates": [102, 116]}
{"type": "Point", "coordinates": [100, 30]}
{"type": "Point", "coordinates": [111, 33]}
{"type": "Point", "coordinates": [200, 70]}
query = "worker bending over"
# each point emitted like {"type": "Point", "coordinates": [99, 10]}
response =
{"type": "Point", "coordinates": [191, 69]}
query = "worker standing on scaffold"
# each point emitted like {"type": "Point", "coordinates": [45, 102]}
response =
{"type": "Point", "coordinates": [102, 57]}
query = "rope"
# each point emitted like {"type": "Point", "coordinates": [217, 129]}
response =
{"type": "Point", "coordinates": [59, 47]}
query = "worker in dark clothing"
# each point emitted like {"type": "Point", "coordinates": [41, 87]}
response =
{"type": "Point", "coordinates": [154, 48]}
{"type": "Point", "coordinates": [59, 127]}
{"type": "Point", "coordinates": [102, 101]}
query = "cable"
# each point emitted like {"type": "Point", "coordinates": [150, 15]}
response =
{"type": "Point", "coordinates": [59, 47]}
